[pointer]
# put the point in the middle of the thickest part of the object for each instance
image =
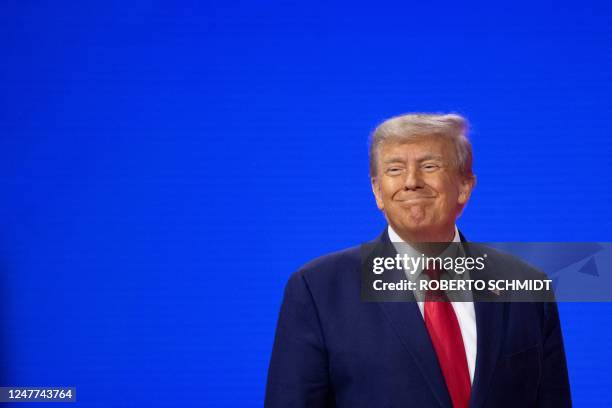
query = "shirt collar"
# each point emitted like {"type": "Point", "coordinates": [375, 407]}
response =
{"type": "Point", "coordinates": [402, 247]}
{"type": "Point", "coordinates": [394, 237]}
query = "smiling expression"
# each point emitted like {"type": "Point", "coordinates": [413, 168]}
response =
{"type": "Point", "coordinates": [419, 189]}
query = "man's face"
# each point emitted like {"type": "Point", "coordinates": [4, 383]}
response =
{"type": "Point", "coordinates": [419, 189]}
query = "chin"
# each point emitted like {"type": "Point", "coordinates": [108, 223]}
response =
{"type": "Point", "coordinates": [418, 225]}
{"type": "Point", "coordinates": [421, 229]}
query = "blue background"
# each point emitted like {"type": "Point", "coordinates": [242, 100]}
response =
{"type": "Point", "coordinates": [165, 167]}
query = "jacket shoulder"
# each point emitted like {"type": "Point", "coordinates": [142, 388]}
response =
{"type": "Point", "coordinates": [509, 265]}
{"type": "Point", "coordinates": [337, 259]}
{"type": "Point", "coordinates": [325, 272]}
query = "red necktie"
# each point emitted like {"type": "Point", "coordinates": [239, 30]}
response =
{"type": "Point", "coordinates": [445, 333]}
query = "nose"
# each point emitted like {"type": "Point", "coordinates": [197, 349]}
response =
{"type": "Point", "coordinates": [413, 179]}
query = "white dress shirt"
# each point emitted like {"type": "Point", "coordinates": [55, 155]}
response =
{"type": "Point", "coordinates": [464, 311]}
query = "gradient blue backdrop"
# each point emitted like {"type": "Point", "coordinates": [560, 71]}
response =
{"type": "Point", "coordinates": [165, 166]}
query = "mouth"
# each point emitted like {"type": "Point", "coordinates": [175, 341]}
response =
{"type": "Point", "coordinates": [411, 200]}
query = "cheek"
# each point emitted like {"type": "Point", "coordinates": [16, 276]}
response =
{"type": "Point", "coordinates": [388, 190]}
{"type": "Point", "coordinates": [444, 206]}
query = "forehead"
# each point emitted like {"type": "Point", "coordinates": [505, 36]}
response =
{"type": "Point", "coordinates": [416, 149]}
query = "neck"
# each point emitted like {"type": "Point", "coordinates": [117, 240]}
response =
{"type": "Point", "coordinates": [431, 243]}
{"type": "Point", "coordinates": [416, 237]}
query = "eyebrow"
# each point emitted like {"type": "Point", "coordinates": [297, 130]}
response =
{"type": "Point", "coordinates": [397, 159]}
{"type": "Point", "coordinates": [393, 160]}
{"type": "Point", "coordinates": [431, 157]}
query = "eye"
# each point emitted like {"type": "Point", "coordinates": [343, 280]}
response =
{"type": "Point", "coordinates": [429, 167]}
{"type": "Point", "coordinates": [394, 171]}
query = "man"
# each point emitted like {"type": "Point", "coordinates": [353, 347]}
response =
{"type": "Point", "coordinates": [333, 349]}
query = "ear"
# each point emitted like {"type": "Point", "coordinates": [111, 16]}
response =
{"type": "Point", "coordinates": [377, 193]}
{"type": "Point", "coordinates": [465, 189]}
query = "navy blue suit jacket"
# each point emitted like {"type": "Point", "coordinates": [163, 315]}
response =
{"type": "Point", "coordinates": [331, 349]}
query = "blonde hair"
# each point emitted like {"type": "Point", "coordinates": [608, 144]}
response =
{"type": "Point", "coordinates": [414, 126]}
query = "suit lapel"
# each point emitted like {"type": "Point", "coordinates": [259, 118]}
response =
{"type": "Point", "coordinates": [490, 323]}
{"type": "Point", "coordinates": [406, 319]}
{"type": "Point", "coordinates": [489, 326]}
